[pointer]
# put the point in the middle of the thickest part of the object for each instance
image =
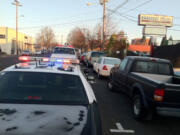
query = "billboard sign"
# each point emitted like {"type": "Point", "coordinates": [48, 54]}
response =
{"type": "Point", "coordinates": [155, 20]}
{"type": "Point", "coordinates": [159, 31]}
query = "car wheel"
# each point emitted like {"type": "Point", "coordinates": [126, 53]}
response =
{"type": "Point", "coordinates": [138, 108]}
{"type": "Point", "coordinates": [94, 71]}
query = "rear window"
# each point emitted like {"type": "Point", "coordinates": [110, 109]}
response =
{"type": "Point", "coordinates": [97, 54]}
{"type": "Point", "coordinates": [111, 61]}
{"type": "Point", "coordinates": [64, 50]}
{"type": "Point", "coordinates": [152, 67]}
{"type": "Point", "coordinates": [42, 88]}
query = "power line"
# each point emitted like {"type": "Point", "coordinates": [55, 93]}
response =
{"type": "Point", "coordinates": [124, 16]}
{"type": "Point", "coordinates": [34, 27]}
{"type": "Point", "coordinates": [140, 5]}
{"type": "Point", "coordinates": [119, 6]}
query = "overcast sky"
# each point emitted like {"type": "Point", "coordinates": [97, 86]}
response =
{"type": "Point", "coordinates": [64, 15]}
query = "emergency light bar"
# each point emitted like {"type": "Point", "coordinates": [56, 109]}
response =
{"type": "Point", "coordinates": [45, 59]}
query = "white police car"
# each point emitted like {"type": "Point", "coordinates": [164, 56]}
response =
{"type": "Point", "coordinates": [47, 98]}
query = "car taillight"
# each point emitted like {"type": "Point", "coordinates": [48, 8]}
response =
{"type": "Point", "coordinates": [45, 59]}
{"type": "Point", "coordinates": [66, 61]}
{"type": "Point", "coordinates": [104, 67]}
{"type": "Point", "coordinates": [24, 58]}
{"type": "Point", "coordinates": [159, 95]}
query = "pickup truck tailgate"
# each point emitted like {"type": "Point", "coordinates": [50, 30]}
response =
{"type": "Point", "coordinates": [172, 94]}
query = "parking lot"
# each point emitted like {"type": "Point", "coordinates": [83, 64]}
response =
{"type": "Point", "coordinates": [116, 111]}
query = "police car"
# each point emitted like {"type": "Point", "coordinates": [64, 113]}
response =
{"type": "Point", "coordinates": [46, 97]}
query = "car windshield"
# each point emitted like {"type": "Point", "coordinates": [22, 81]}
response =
{"type": "Point", "coordinates": [97, 54]}
{"type": "Point", "coordinates": [152, 67]}
{"type": "Point", "coordinates": [64, 50]}
{"type": "Point", "coordinates": [111, 61]}
{"type": "Point", "coordinates": [41, 88]}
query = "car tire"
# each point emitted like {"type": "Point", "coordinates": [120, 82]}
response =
{"type": "Point", "coordinates": [138, 108]}
{"type": "Point", "coordinates": [94, 71]}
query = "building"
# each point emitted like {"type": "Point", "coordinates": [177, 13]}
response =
{"type": "Point", "coordinates": [140, 48]}
{"type": "Point", "coordinates": [139, 45]}
{"type": "Point", "coordinates": [8, 41]}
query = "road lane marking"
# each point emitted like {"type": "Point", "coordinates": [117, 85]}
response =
{"type": "Point", "coordinates": [120, 129]}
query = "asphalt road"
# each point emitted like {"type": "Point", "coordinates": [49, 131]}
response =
{"type": "Point", "coordinates": [7, 60]}
{"type": "Point", "coordinates": [115, 107]}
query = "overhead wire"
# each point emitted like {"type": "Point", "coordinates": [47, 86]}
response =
{"type": "Point", "coordinates": [34, 27]}
{"type": "Point", "coordinates": [119, 6]}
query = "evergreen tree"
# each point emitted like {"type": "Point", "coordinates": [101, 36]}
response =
{"type": "Point", "coordinates": [143, 38]}
{"type": "Point", "coordinates": [164, 41]}
{"type": "Point", "coordinates": [170, 38]}
{"type": "Point", "coordinates": [150, 41]}
{"type": "Point", "coordinates": [110, 44]}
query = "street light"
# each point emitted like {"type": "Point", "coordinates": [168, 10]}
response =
{"type": "Point", "coordinates": [17, 4]}
{"type": "Point", "coordinates": [102, 2]}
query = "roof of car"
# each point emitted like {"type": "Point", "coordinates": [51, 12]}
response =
{"type": "Point", "coordinates": [148, 58]}
{"type": "Point", "coordinates": [109, 58]}
{"type": "Point", "coordinates": [64, 47]}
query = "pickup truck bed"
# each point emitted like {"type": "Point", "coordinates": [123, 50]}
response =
{"type": "Point", "coordinates": [160, 78]}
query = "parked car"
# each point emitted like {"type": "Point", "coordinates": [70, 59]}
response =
{"type": "Point", "coordinates": [37, 52]}
{"type": "Point", "coordinates": [78, 53]}
{"type": "Point", "coordinates": [104, 64]}
{"type": "Point", "coordinates": [151, 83]}
{"type": "Point", "coordinates": [93, 57]}
{"type": "Point", "coordinates": [82, 57]}
{"type": "Point", "coordinates": [26, 53]}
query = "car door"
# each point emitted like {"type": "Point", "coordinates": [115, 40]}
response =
{"type": "Point", "coordinates": [121, 75]}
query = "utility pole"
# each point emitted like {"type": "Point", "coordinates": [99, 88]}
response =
{"type": "Point", "coordinates": [17, 4]}
{"type": "Point", "coordinates": [61, 39]}
{"type": "Point", "coordinates": [104, 25]}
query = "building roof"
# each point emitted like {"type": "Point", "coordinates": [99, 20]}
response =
{"type": "Point", "coordinates": [140, 48]}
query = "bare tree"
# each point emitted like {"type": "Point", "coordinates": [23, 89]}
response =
{"type": "Point", "coordinates": [77, 38]}
{"type": "Point", "coordinates": [46, 37]}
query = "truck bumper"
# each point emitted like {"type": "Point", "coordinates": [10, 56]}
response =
{"type": "Point", "coordinates": [166, 111]}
